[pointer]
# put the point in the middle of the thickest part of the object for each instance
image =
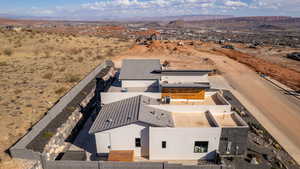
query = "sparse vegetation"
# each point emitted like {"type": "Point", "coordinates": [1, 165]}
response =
{"type": "Point", "coordinates": [40, 72]}
{"type": "Point", "coordinates": [7, 52]}
{"type": "Point", "coordinates": [80, 59]}
{"type": "Point", "coordinates": [48, 135]}
{"type": "Point", "coordinates": [72, 78]}
{"type": "Point", "coordinates": [48, 76]}
{"type": "Point", "coordinates": [3, 64]}
{"type": "Point", "coordinates": [60, 90]}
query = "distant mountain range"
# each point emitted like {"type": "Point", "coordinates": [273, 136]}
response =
{"type": "Point", "coordinates": [172, 20]}
{"type": "Point", "coordinates": [183, 17]}
{"type": "Point", "coordinates": [163, 18]}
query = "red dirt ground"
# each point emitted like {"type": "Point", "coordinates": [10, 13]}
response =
{"type": "Point", "coordinates": [285, 75]}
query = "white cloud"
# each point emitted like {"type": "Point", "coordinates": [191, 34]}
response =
{"type": "Point", "coordinates": [108, 4]}
{"type": "Point", "coordinates": [132, 8]}
{"type": "Point", "coordinates": [277, 4]}
{"type": "Point", "coordinates": [151, 7]}
{"type": "Point", "coordinates": [235, 3]}
{"type": "Point", "coordinates": [39, 11]}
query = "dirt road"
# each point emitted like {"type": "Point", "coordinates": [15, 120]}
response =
{"type": "Point", "coordinates": [276, 111]}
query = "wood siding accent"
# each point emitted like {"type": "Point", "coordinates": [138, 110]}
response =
{"type": "Point", "coordinates": [121, 155]}
{"type": "Point", "coordinates": [184, 93]}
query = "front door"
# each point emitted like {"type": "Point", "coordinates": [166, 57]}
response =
{"type": "Point", "coordinates": [103, 143]}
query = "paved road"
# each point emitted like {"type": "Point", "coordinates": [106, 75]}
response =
{"type": "Point", "coordinates": [278, 112]}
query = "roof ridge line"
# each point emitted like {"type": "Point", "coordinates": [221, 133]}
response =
{"type": "Point", "coordinates": [139, 107]}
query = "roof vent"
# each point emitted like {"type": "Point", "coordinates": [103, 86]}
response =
{"type": "Point", "coordinates": [109, 120]}
{"type": "Point", "coordinates": [124, 90]}
{"type": "Point", "coordinates": [152, 112]}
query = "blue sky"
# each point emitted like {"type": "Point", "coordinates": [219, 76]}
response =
{"type": "Point", "coordinates": [131, 8]}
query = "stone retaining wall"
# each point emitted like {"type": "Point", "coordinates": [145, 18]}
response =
{"type": "Point", "coordinates": [57, 141]}
{"type": "Point", "coordinates": [122, 165]}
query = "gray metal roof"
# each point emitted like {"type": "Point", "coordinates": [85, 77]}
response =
{"type": "Point", "coordinates": [131, 110]}
{"type": "Point", "coordinates": [140, 69]}
{"type": "Point", "coordinates": [184, 72]}
{"type": "Point", "coordinates": [186, 85]}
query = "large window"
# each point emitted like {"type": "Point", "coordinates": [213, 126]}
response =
{"type": "Point", "coordinates": [137, 142]}
{"type": "Point", "coordinates": [163, 144]}
{"type": "Point", "coordinates": [201, 147]}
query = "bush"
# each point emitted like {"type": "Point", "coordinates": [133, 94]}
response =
{"type": "Point", "coordinates": [72, 78]}
{"type": "Point", "coordinates": [80, 59]}
{"type": "Point", "coordinates": [17, 91]}
{"type": "Point", "coordinates": [62, 69]}
{"type": "Point", "coordinates": [3, 64]}
{"type": "Point", "coordinates": [48, 135]}
{"type": "Point", "coordinates": [48, 76]}
{"type": "Point", "coordinates": [60, 90]}
{"type": "Point", "coordinates": [7, 52]}
{"type": "Point", "coordinates": [47, 54]}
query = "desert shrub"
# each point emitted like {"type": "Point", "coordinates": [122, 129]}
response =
{"type": "Point", "coordinates": [7, 52]}
{"type": "Point", "coordinates": [18, 91]}
{"type": "Point", "coordinates": [62, 69]}
{"type": "Point", "coordinates": [48, 134]}
{"type": "Point", "coordinates": [60, 90]}
{"type": "Point", "coordinates": [74, 51]}
{"type": "Point", "coordinates": [48, 76]}
{"type": "Point", "coordinates": [41, 41]}
{"type": "Point", "coordinates": [80, 59]}
{"type": "Point", "coordinates": [89, 53]}
{"type": "Point", "coordinates": [3, 64]}
{"type": "Point", "coordinates": [47, 54]}
{"type": "Point", "coordinates": [110, 52]}
{"type": "Point", "coordinates": [71, 78]}
{"type": "Point", "coordinates": [98, 57]}
{"type": "Point", "coordinates": [28, 105]}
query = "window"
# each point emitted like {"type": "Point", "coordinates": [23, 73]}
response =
{"type": "Point", "coordinates": [201, 147]}
{"type": "Point", "coordinates": [228, 148]}
{"type": "Point", "coordinates": [224, 138]}
{"type": "Point", "coordinates": [163, 144]}
{"type": "Point", "coordinates": [137, 142]}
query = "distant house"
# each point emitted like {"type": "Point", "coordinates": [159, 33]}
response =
{"type": "Point", "coordinates": [13, 28]}
{"type": "Point", "coordinates": [182, 120]}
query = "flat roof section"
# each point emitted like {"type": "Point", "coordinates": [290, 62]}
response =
{"type": "Point", "coordinates": [225, 120]}
{"type": "Point", "coordinates": [140, 69]}
{"type": "Point", "coordinates": [191, 119]}
{"type": "Point", "coordinates": [207, 101]}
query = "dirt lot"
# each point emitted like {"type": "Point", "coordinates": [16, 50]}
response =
{"type": "Point", "coordinates": [276, 55]}
{"type": "Point", "coordinates": [284, 74]}
{"type": "Point", "coordinates": [36, 70]}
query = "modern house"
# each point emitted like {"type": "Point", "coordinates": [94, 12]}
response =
{"type": "Point", "coordinates": [180, 118]}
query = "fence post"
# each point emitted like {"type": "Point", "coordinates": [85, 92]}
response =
{"type": "Point", "coordinates": [43, 161]}
{"type": "Point", "coordinates": [100, 165]}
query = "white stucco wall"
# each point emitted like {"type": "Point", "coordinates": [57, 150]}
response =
{"type": "Point", "coordinates": [123, 138]}
{"type": "Point", "coordinates": [138, 83]}
{"type": "Point", "coordinates": [176, 79]}
{"type": "Point", "coordinates": [110, 97]}
{"type": "Point", "coordinates": [194, 108]}
{"type": "Point", "coordinates": [180, 143]}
